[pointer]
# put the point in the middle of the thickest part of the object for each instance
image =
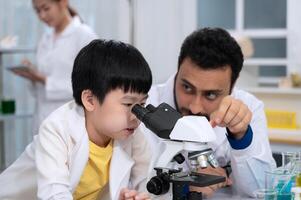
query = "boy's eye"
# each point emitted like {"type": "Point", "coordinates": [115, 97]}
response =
{"type": "Point", "coordinates": [132, 104]}
{"type": "Point", "coordinates": [128, 104]}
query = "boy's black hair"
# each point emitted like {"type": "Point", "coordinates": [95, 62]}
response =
{"type": "Point", "coordinates": [102, 66]}
{"type": "Point", "coordinates": [212, 48]}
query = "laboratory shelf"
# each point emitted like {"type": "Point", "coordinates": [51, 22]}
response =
{"type": "Point", "coordinates": [4, 117]}
{"type": "Point", "coordinates": [265, 62]}
{"type": "Point", "coordinates": [285, 136]}
{"type": "Point", "coordinates": [271, 90]}
{"type": "Point", "coordinates": [16, 50]}
{"type": "Point", "coordinates": [9, 117]}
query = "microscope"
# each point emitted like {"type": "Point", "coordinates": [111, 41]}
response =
{"type": "Point", "coordinates": [182, 138]}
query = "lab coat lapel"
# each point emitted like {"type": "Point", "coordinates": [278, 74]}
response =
{"type": "Point", "coordinates": [79, 156]}
{"type": "Point", "coordinates": [168, 92]}
{"type": "Point", "coordinates": [75, 22]}
{"type": "Point", "coordinates": [220, 133]}
{"type": "Point", "coordinates": [78, 160]}
{"type": "Point", "coordinates": [120, 167]}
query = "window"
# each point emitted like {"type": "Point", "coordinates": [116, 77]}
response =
{"type": "Point", "coordinates": [268, 32]}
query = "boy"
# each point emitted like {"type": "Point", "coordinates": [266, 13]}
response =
{"type": "Point", "coordinates": [87, 149]}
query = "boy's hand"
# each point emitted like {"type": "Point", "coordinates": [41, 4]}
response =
{"type": "Point", "coordinates": [234, 115]}
{"type": "Point", "coordinates": [209, 190]}
{"type": "Point", "coordinates": [127, 194]}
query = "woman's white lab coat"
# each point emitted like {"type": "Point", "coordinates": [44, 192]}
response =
{"type": "Point", "coordinates": [51, 166]}
{"type": "Point", "coordinates": [248, 165]}
{"type": "Point", "coordinates": [55, 58]}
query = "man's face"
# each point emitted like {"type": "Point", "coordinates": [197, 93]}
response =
{"type": "Point", "coordinates": [199, 91]}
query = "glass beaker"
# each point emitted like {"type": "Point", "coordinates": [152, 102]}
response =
{"type": "Point", "coordinates": [281, 180]}
{"type": "Point", "coordinates": [289, 159]}
{"type": "Point", "coordinates": [297, 171]}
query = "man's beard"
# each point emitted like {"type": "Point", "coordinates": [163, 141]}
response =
{"type": "Point", "coordinates": [187, 112]}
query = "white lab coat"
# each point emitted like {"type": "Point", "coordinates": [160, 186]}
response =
{"type": "Point", "coordinates": [248, 165]}
{"type": "Point", "coordinates": [55, 58]}
{"type": "Point", "coordinates": [51, 166]}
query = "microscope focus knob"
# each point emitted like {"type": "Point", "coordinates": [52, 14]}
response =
{"type": "Point", "coordinates": [157, 185]}
{"type": "Point", "coordinates": [179, 158]}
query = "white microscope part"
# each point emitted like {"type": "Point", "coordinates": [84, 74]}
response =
{"type": "Point", "coordinates": [193, 129]}
{"type": "Point", "coordinates": [191, 133]}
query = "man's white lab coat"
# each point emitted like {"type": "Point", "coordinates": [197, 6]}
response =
{"type": "Point", "coordinates": [55, 58]}
{"type": "Point", "coordinates": [51, 166]}
{"type": "Point", "coordinates": [248, 165]}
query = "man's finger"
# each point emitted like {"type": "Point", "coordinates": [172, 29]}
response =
{"type": "Point", "coordinates": [243, 125]}
{"type": "Point", "coordinates": [218, 116]}
{"type": "Point", "coordinates": [240, 116]}
{"type": "Point", "coordinates": [232, 112]}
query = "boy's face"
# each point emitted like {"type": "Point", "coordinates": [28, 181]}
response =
{"type": "Point", "coordinates": [113, 118]}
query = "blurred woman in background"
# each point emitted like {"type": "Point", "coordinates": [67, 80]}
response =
{"type": "Point", "coordinates": [57, 49]}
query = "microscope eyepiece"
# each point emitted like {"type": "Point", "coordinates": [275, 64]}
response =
{"type": "Point", "coordinates": [139, 111]}
{"type": "Point", "coordinates": [151, 108]}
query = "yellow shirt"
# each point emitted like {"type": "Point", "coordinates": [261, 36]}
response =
{"type": "Point", "coordinates": [96, 173]}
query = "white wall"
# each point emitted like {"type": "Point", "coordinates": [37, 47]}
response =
{"type": "Point", "coordinates": [294, 36]}
{"type": "Point", "coordinates": [160, 28]}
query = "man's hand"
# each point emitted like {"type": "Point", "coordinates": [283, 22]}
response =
{"type": "Point", "coordinates": [127, 194]}
{"type": "Point", "coordinates": [234, 115]}
{"type": "Point", "coordinates": [209, 190]}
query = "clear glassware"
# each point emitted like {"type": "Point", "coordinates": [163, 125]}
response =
{"type": "Point", "coordinates": [289, 159]}
{"type": "Point", "coordinates": [266, 194]}
{"type": "Point", "coordinates": [280, 180]}
{"type": "Point", "coordinates": [297, 172]}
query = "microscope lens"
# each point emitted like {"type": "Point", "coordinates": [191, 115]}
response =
{"type": "Point", "coordinates": [213, 162]}
{"type": "Point", "coordinates": [202, 160]}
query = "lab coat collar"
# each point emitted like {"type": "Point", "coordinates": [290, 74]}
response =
{"type": "Point", "coordinates": [168, 93]}
{"type": "Point", "coordinates": [78, 133]}
{"type": "Point", "coordinates": [120, 167]}
{"type": "Point", "coordinates": [121, 152]}
{"type": "Point", "coordinates": [78, 128]}
{"type": "Point", "coordinates": [75, 22]}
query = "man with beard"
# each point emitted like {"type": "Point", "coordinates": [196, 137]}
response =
{"type": "Point", "coordinates": [209, 64]}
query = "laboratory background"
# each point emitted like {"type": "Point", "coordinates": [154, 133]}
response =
{"type": "Point", "coordinates": [268, 31]}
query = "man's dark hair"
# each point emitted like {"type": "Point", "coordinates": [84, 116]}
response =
{"type": "Point", "coordinates": [212, 48]}
{"type": "Point", "coordinates": [102, 66]}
